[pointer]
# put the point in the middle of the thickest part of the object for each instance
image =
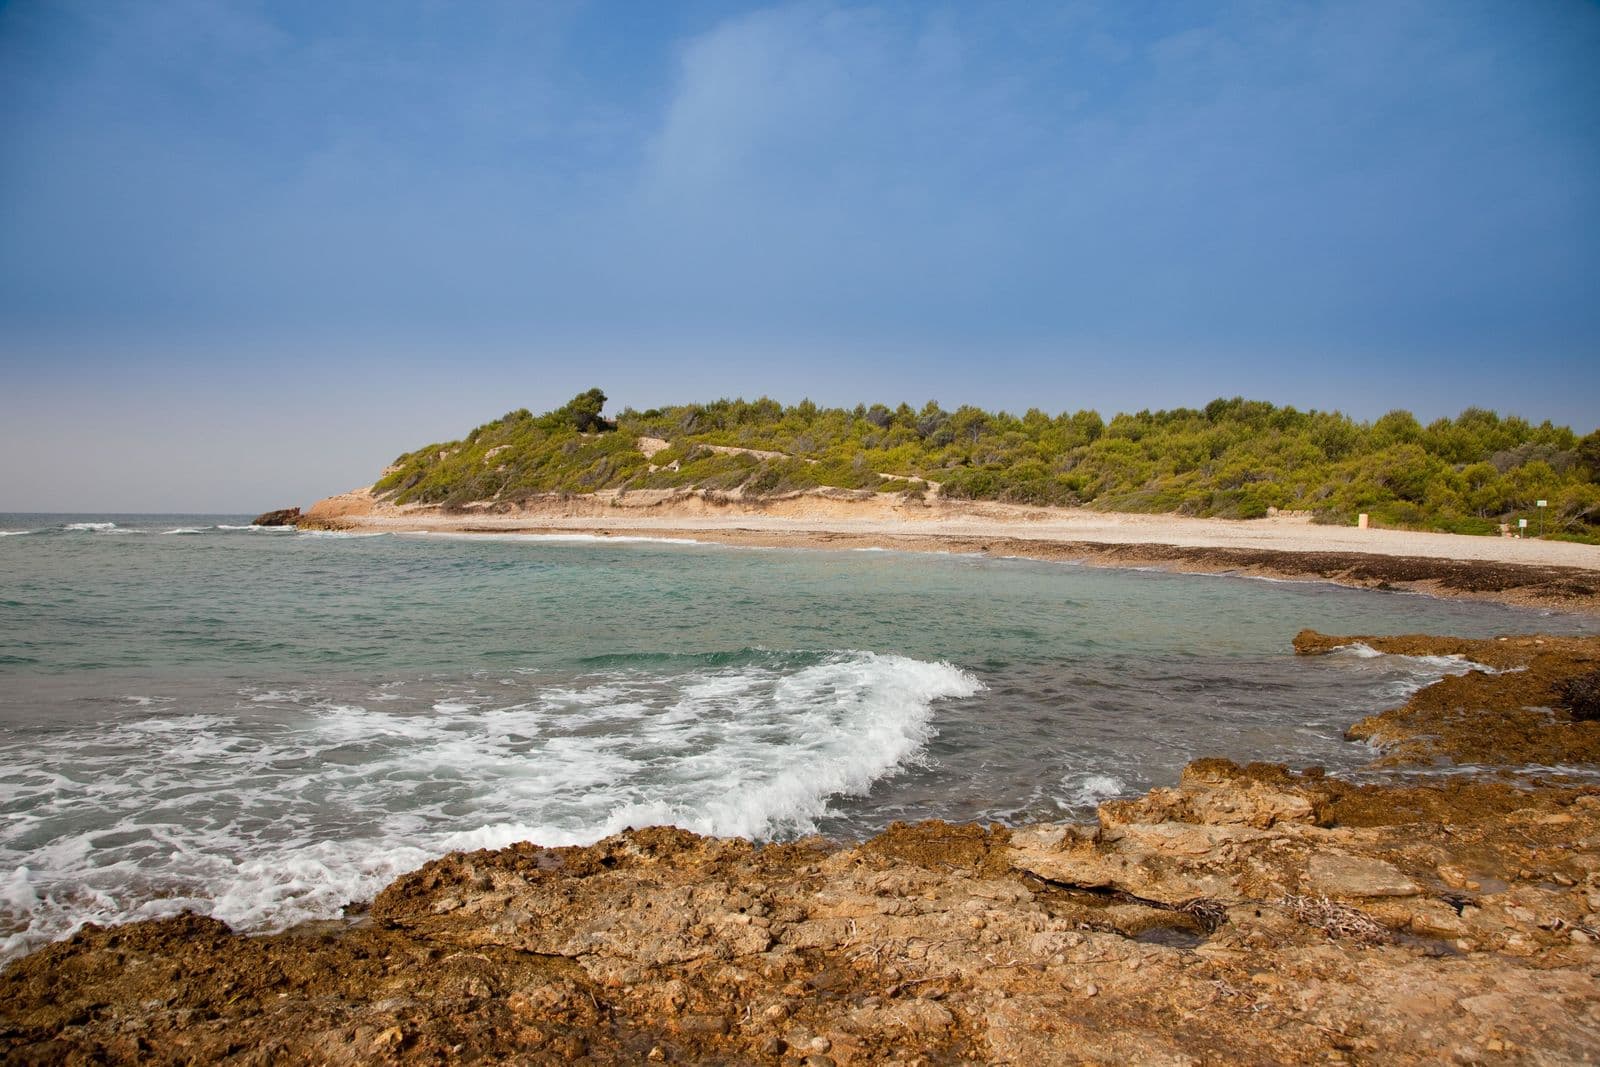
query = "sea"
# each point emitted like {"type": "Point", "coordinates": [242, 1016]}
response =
{"type": "Point", "coordinates": [268, 725]}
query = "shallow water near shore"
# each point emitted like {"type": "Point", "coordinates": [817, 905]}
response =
{"type": "Point", "coordinates": [265, 724]}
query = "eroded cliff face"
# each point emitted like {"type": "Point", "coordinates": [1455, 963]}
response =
{"type": "Point", "coordinates": [1248, 915]}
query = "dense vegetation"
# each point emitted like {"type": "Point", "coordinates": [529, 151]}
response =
{"type": "Point", "coordinates": [1233, 458]}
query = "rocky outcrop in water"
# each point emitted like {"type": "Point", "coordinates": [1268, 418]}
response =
{"type": "Point", "coordinates": [1247, 915]}
{"type": "Point", "coordinates": [281, 517]}
{"type": "Point", "coordinates": [1517, 710]}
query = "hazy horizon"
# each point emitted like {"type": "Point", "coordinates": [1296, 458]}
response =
{"type": "Point", "coordinates": [250, 252]}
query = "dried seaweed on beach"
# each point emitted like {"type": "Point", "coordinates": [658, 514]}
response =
{"type": "Point", "coordinates": [1337, 920]}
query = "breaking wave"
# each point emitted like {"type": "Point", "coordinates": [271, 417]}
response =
{"type": "Point", "coordinates": [292, 802]}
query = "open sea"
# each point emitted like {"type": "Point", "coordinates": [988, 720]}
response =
{"type": "Point", "coordinates": [265, 725]}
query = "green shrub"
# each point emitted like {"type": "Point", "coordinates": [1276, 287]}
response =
{"type": "Point", "coordinates": [1235, 458]}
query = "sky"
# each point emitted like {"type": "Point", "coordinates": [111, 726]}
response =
{"type": "Point", "coordinates": [251, 251]}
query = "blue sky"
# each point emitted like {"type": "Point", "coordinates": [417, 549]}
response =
{"type": "Point", "coordinates": [249, 251]}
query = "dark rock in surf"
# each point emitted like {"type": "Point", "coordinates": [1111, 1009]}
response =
{"type": "Point", "coordinates": [281, 517]}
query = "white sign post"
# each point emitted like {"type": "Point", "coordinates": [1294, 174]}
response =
{"type": "Point", "coordinates": [1541, 504]}
{"type": "Point", "coordinates": [1522, 524]}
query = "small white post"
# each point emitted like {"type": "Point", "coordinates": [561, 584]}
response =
{"type": "Point", "coordinates": [1522, 526]}
{"type": "Point", "coordinates": [1361, 521]}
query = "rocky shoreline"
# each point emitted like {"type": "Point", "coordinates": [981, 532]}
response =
{"type": "Point", "coordinates": [1448, 911]}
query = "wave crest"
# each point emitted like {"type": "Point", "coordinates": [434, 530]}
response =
{"type": "Point", "coordinates": [753, 743]}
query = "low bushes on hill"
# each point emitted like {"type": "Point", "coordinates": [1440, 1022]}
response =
{"type": "Point", "coordinates": [1233, 458]}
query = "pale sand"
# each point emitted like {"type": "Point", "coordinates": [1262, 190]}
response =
{"type": "Point", "coordinates": [888, 517]}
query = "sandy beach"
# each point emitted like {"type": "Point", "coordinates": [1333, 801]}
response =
{"type": "Point", "coordinates": [1526, 571]}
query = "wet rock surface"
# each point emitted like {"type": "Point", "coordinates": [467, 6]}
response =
{"type": "Point", "coordinates": [1514, 712]}
{"type": "Point", "coordinates": [281, 517]}
{"type": "Point", "coordinates": [1250, 914]}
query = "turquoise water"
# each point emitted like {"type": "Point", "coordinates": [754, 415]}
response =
{"type": "Point", "coordinates": [266, 724]}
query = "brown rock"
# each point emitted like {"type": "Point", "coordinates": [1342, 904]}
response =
{"type": "Point", "coordinates": [1335, 875]}
{"type": "Point", "coordinates": [281, 517]}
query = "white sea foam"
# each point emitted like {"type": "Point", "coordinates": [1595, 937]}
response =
{"type": "Point", "coordinates": [340, 534]}
{"type": "Point", "coordinates": [1407, 674]}
{"type": "Point", "coordinates": [278, 696]}
{"type": "Point", "coordinates": [1452, 664]}
{"type": "Point", "coordinates": [145, 702]}
{"type": "Point", "coordinates": [295, 801]}
{"type": "Point", "coordinates": [1089, 789]}
{"type": "Point", "coordinates": [15, 533]}
{"type": "Point", "coordinates": [262, 529]}
{"type": "Point", "coordinates": [185, 530]}
{"type": "Point", "coordinates": [90, 527]}
{"type": "Point", "coordinates": [1431, 666]}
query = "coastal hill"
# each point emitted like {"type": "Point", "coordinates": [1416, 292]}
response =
{"type": "Point", "coordinates": [1231, 459]}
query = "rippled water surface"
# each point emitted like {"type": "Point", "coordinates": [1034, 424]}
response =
{"type": "Point", "coordinates": [266, 724]}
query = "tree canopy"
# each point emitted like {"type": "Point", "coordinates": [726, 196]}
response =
{"type": "Point", "coordinates": [1234, 458]}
